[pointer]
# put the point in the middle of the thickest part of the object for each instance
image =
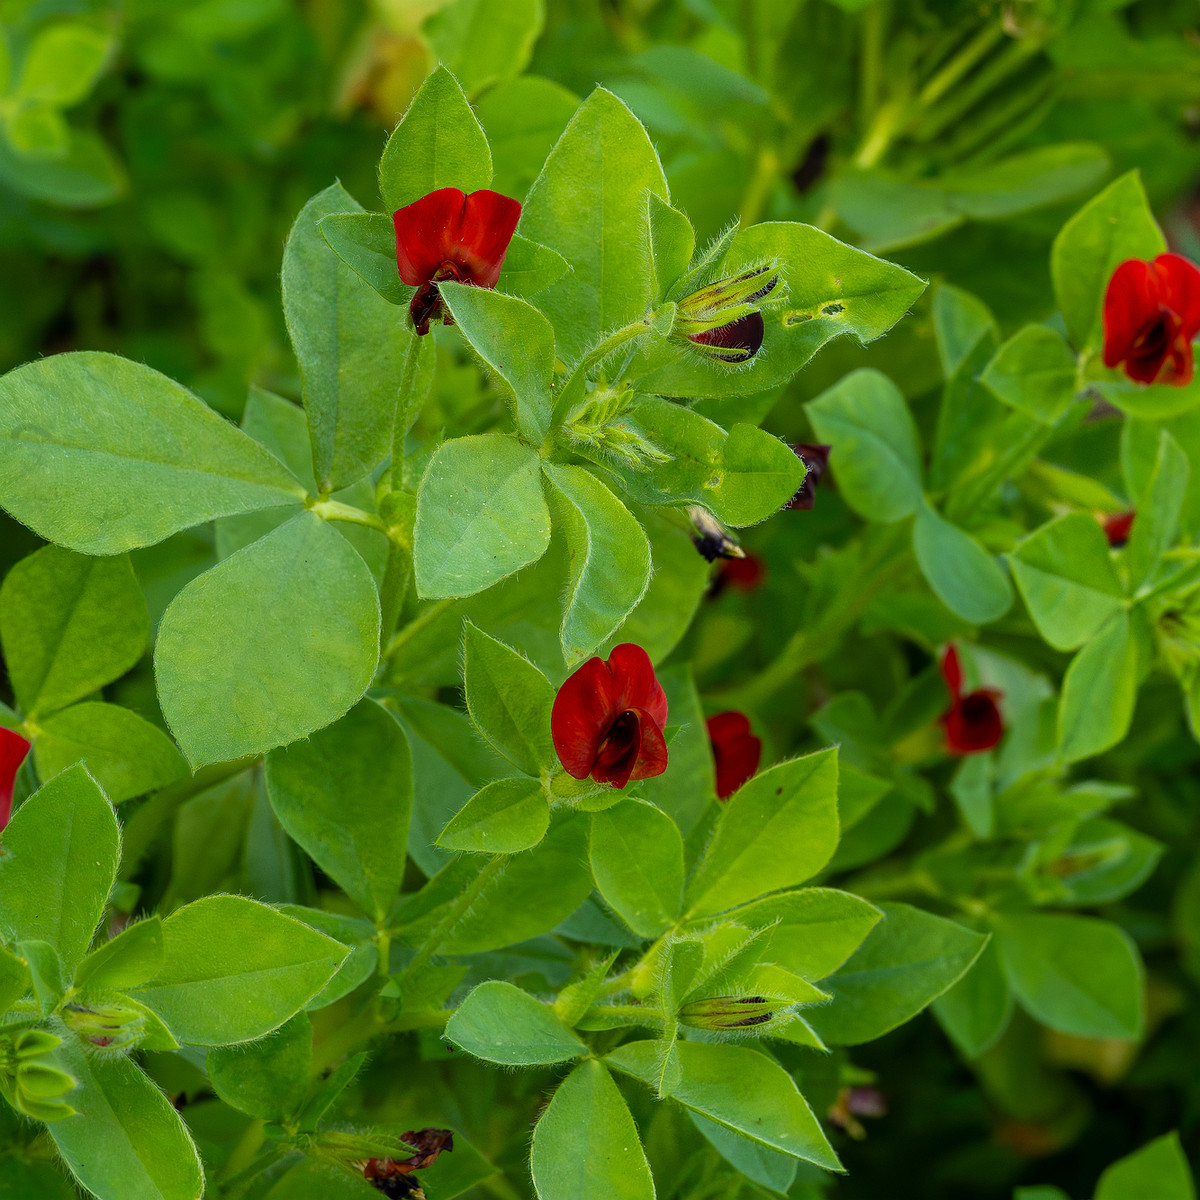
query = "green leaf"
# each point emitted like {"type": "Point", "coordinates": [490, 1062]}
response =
{"type": "Point", "coordinates": [741, 1089]}
{"type": "Point", "coordinates": [976, 1010]}
{"type": "Point", "coordinates": [70, 624]}
{"type": "Point", "coordinates": [509, 700]}
{"type": "Point", "coordinates": [1078, 975]}
{"type": "Point", "coordinates": [967, 579]}
{"type": "Point", "coordinates": [524, 117]}
{"type": "Point", "coordinates": [530, 268]}
{"type": "Point", "coordinates": [672, 243]}
{"type": "Point", "coordinates": [358, 966]}
{"type": "Point", "coordinates": [438, 143]}
{"type": "Point", "coordinates": [502, 1024]}
{"type": "Point", "coordinates": [589, 204]}
{"type": "Point", "coordinates": [1065, 575]}
{"type": "Point", "coordinates": [100, 454]}
{"type": "Point", "coordinates": [86, 176]}
{"type": "Point", "coordinates": [610, 560]}
{"type": "Point", "coordinates": [505, 817]}
{"type": "Point", "coordinates": [516, 343]}
{"type": "Point", "coordinates": [235, 970]}
{"type": "Point", "coordinates": [480, 515]}
{"type": "Point", "coordinates": [123, 752]}
{"type": "Point", "coordinates": [131, 958]}
{"type": "Point", "coordinates": [345, 795]}
{"type": "Point", "coordinates": [1159, 510]}
{"type": "Point", "coordinates": [254, 654]}
{"type": "Point", "coordinates": [743, 476]}
{"type": "Point", "coordinates": [876, 453]}
{"type": "Point", "coordinates": [533, 893]}
{"type": "Point", "coordinates": [1158, 1171]}
{"type": "Point", "coordinates": [482, 43]}
{"type": "Point", "coordinates": [62, 63]}
{"type": "Point", "coordinates": [61, 852]}
{"type": "Point", "coordinates": [1034, 372]}
{"type": "Point", "coordinates": [45, 973]}
{"type": "Point", "coordinates": [14, 979]}
{"type": "Point", "coordinates": [366, 243]}
{"type": "Point", "coordinates": [908, 960]}
{"type": "Point", "coordinates": [351, 345]}
{"type": "Point", "coordinates": [126, 1138]}
{"type": "Point", "coordinates": [269, 1078]}
{"type": "Point", "coordinates": [814, 930]}
{"type": "Point", "coordinates": [38, 130]}
{"type": "Point", "coordinates": [1106, 667]}
{"type": "Point", "coordinates": [637, 859]}
{"type": "Point", "coordinates": [774, 832]}
{"type": "Point", "coordinates": [1115, 225]}
{"type": "Point", "coordinates": [775, 1171]}
{"type": "Point", "coordinates": [586, 1146]}
{"type": "Point", "coordinates": [829, 289]}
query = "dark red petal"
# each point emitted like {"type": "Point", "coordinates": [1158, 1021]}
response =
{"type": "Point", "coordinates": [1130, 302]}
{"type": "Point", "coordinates": [974, 723]}
{"type": "Point", "coordinates": [816, 462]}
{"type": "Point", "coordinates": [1179, 366]}
{"type": "Point", "coordinates": [744, 335]}
{"type": "Point", "coordinates": [652, 753]}
{"type": "Point", "coordinates": [736, 751]}
{"type": "Point", "coordinates": [1179, 290]}
{"type": "Point", "coordinates": [636, 684]}
{"type": "Point", "coordinates": [13, 749]}
{"type": "Point", "coordinates": [619, 753]}
{"type": "Point", "coordinates": [489, 220]}
{"type": "Point", "coordinates": [1117, 527]}
{"type": "Point", "coordinates": [427, 234]}
{"type": "Point", "coordinates": [583, 712]}
{"type": "Point", "coordinates": [745, 574]}
{"type": "Point", "coordinates": [952, 671]}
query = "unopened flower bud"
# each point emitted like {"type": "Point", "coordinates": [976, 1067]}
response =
{"type": "Point", "coordinates": [710, 537]}
{"type": "Point", "coordinates": [729, 1012]}
{"type": "Point", "coordinates": [29, 1083]}
{"type": "Point", "coordinates": [723, 320]}
{"type": "Point", "coordinates": [109, 1026]}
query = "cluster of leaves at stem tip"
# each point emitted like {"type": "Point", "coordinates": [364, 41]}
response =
{"type": "Point", "coordinates": [584, 793]}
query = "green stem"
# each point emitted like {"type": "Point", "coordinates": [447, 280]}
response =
{"type": "Point", "coordinates": [882, 133]}
{"type": "Point", "coordinates": [754, 199]}
{"type": "Point", "coordinates": [426, 616]}
{"type": "Point", "coordinates": [244, 1153]}
{"type": "Point", "coordinates": [397, 572]}
{"type": "Point", "coordinates": [960, 64]}
{"type": "Point", "coordinates": [335, 510]}
{"type": "Point", "coordinates": [870, 84]}
{"type": "Point", "coordinates": [400, 422]}
{"type": "Point", "coordinates": [878, 571]}
{"type": "Point", "coordinates": [572, 389]}
{"type": "Point", "coordinates": [430, 946]}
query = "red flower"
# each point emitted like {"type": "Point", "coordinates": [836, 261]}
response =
{"type": "Point", "coordinates": [13, 749]}
{"type": "Point", "coordinates": [973, 722]}
{"type": "Point", "coordinates": [735, 749]}
{"type": "Point", "coordinates": [1151, 315]}
{"type": "Point", "coordinates": [737, 342]}
{"type": "Point", "coordinates": [743, 574]}
{"type": "Point", "coordinates": [1117, 527]}
{"type": "Point", "coordinates": [816, 462]}
{"type": "Point", "coordinates": [449, 235]}
{"type": "Point", "coordinates": [608, 719]}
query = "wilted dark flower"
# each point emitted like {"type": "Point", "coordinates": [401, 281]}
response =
{"type": "Point", "coordinates": [816, 462]}
{"type": "Point", "coordinates": [710, 537]}
{"type": "Point", "coordinates": [394, 1176]}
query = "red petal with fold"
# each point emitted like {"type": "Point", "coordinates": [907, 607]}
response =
{"type": "Point", "coordinates": [583, 713]}
{"type": "Point", "coordinates": [427, 234]}
{"type": "Point", "coordinates": [637, 686]}
{"type": "Point", "coordinates": [488, 222]}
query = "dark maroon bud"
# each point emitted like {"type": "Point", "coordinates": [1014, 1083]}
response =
{"type": "Point", "coordinates": [816, 462]}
